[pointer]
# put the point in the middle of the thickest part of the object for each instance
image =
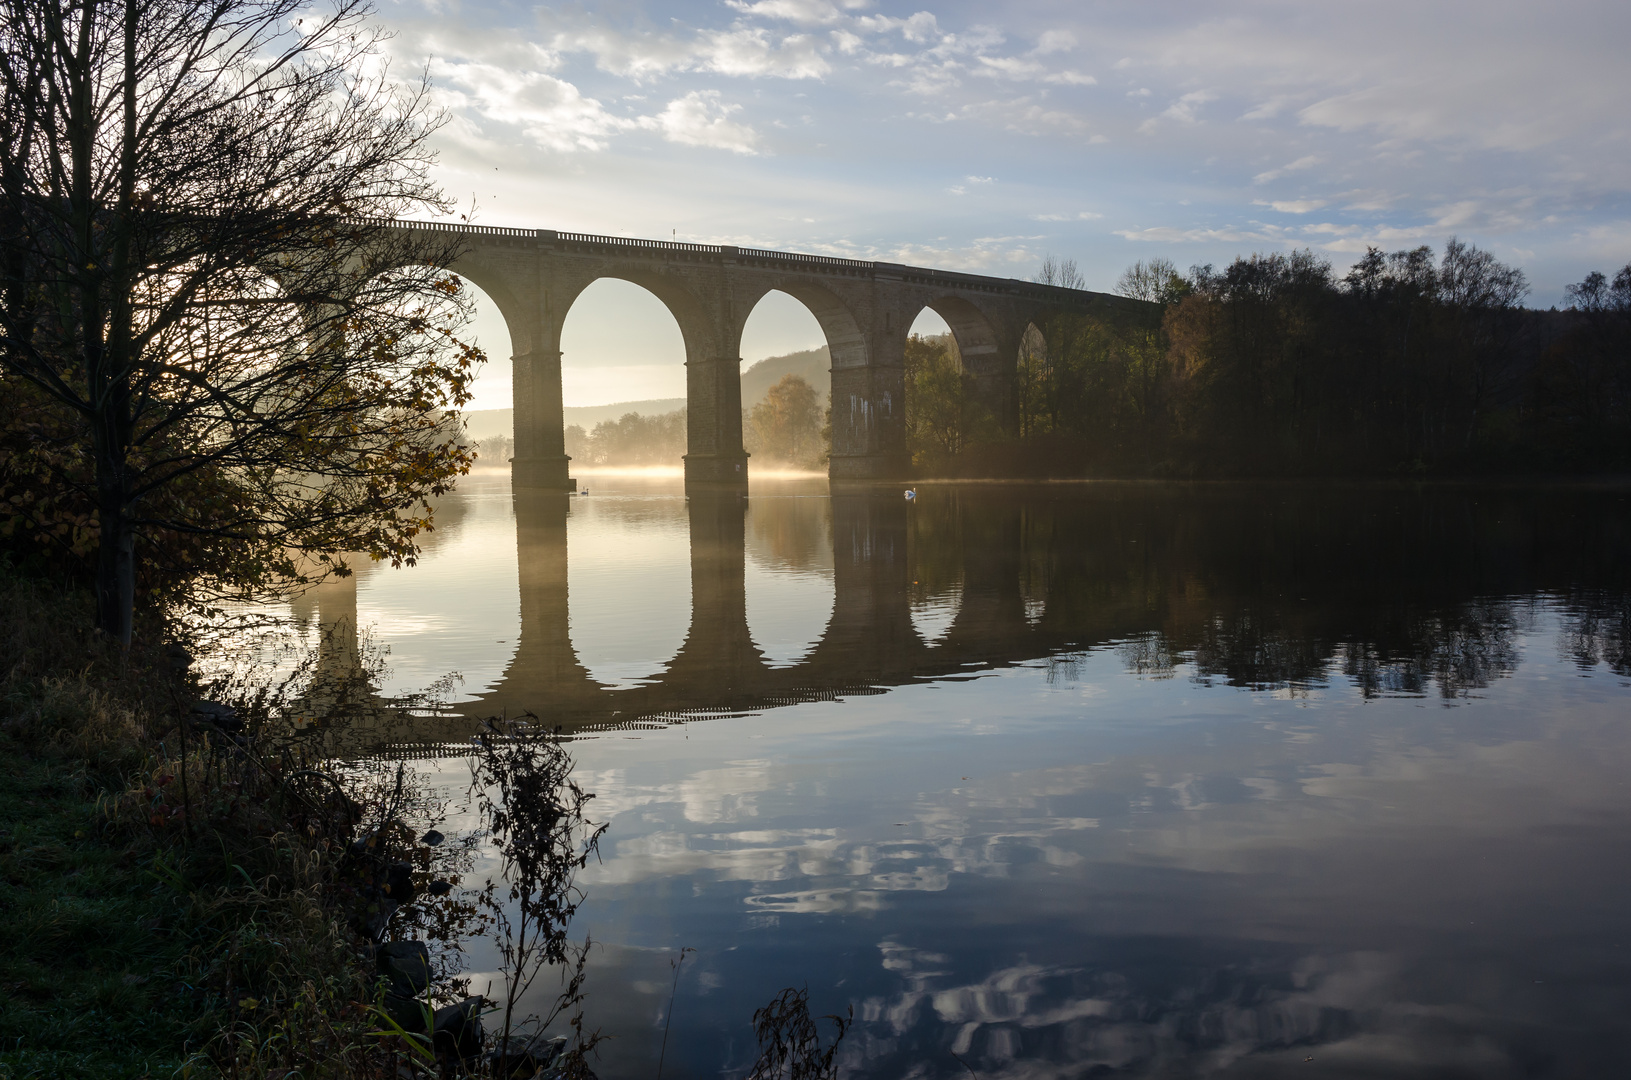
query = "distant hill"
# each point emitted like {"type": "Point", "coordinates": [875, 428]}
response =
{"type": "Point", "coordinates": [811, 364]}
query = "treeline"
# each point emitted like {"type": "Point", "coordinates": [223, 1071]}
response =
{"type": "Point", "coordinates": [1409, 363]}
{"type": "Point", "coordinates": [632, 440]}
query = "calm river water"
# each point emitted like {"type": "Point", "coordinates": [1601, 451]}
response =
{"type": "Point", "coordinates": [1071, 779]}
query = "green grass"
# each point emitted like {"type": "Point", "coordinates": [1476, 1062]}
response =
{"type": "Point", "coordinates": [133, 944]}
{"type": "Point", "coordinates": [94, 946]}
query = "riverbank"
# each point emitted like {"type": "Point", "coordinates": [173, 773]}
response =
{"type": "Point", "coordinates": [158, 918]}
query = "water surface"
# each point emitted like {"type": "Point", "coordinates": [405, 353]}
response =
{"type": "Point", "coordinates": [1070, 780]}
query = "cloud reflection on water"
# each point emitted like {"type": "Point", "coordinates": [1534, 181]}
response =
{"type": "Point", "coordinates": [1344, 783]}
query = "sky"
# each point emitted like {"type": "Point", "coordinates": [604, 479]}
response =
{"type": "Point", "coordinates": [984, 137]}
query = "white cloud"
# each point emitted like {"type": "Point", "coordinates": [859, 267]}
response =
{"type": "Point", "coordinates": [1307, 162]}
{"type": "Point", "coordinates": [1368, 200]}
{"type": "Point", "coordinates": [1053, 41]}
{"type": "Point", "coordinates": [849, 44]}
{"type": "Point", "coordinates": [753, 53]}
{"type": "Point", "coordinates": [1609, 242]}
{"type": "Point", "coordinates": [1026, 116]}
{"type": "Point", "coordinates": [1296, 206]}
{"type": "Point", "coordinates": [1355, 239]}
{"type": "Point", "coordinates": [741, 51]}
{"type": "Point", "coordinates": [1501, 211]}
{"type": "Point", "coordinates": [803, 12]}
{"type": "Point", "coordinates": [552, 112]}
{"type": "Point", "coordinates": [701, 119]}
{"type": "Point", "coordinates": [1013, 67]}
{"type": "Point", "coordinates": [1183, 109]}
{"type": "Point", "coordinates": [1327, 235]}
{"type": "Point", "coordinates": [1167, 234]}
{"type": "Point", "coordinates": [1022, 69]}
{"type": "Point", "coordinates": [919, 27]}
{"type": "Point", "coordinates": [1267, 110]}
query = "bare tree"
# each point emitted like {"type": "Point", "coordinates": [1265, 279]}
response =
{"type": "Point", "coordinates": [1156, 280]}
{"type": "Point", "coordinates": [251, 368]}
{"type": "Point", "coordinates": [1060, 272]}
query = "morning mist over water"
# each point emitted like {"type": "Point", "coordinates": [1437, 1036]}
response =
{"type": "Point", "coordinates": [1048, 779]}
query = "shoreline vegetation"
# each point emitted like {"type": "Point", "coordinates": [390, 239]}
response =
{"type": "Point", "coordinates": [150, 928]}
{"type": "Point", "coordinates": [197, 888]}
{"type": "Point", "coordinates": [224, 375]}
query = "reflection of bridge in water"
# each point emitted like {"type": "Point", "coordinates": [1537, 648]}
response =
{"type": "Point", "coordinates": [1387, 587]}
{"type": "Point", "coordinates": [870, 641]}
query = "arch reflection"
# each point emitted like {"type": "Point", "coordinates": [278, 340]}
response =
{"type": "Point", "coordinates": [631, 604]}
{"type": "Point", "coordinates": [788, 576]}
{"type": "Point", "coordinates": [1396, 598]}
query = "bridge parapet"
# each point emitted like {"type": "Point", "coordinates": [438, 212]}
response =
{"type": "Point", "coordinates": [898, 271]}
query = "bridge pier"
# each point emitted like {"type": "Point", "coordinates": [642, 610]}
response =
{"type": "Point", "coordinates": [869, 421]}
{"type": "Point", "coordinates": [718, 653]}
{"type": "Point", "coordinates": [716, 470]}
{"type": "Point", "coordinates": [540, 462]}
{"type": "Point", "coordinates": [713, 423]}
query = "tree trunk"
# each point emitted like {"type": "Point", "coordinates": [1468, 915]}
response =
{"type": "Point", "coordinates": [116, 553]}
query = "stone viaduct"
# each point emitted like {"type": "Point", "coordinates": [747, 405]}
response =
{"type": "Point", "coordinates": [865, 309]}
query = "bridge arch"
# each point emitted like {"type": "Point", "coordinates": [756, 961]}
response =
{"type": "Point", "coordinates": [1034, 406]}
{"type": "Point", "coordinates": [620, 549]}
{"type": "Point", "coordinates": [620, 342]}
{"type": "Point", "coordinates": [788, 576]}
{"type": "Point", "coordinates": [846, 341]}
{"type": "Point", "coordinates": [989, 340]}
{"type": "Point", "coordinates": [689, 313]}
{"type": "Point", "coordinates": [975, 335]}
{"type": "Point", "coordinates": [713, 390]}
{"type": "Point", "coordinates": [846, 347]}
{"type": "Point", "coordinates": [499, 288]}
